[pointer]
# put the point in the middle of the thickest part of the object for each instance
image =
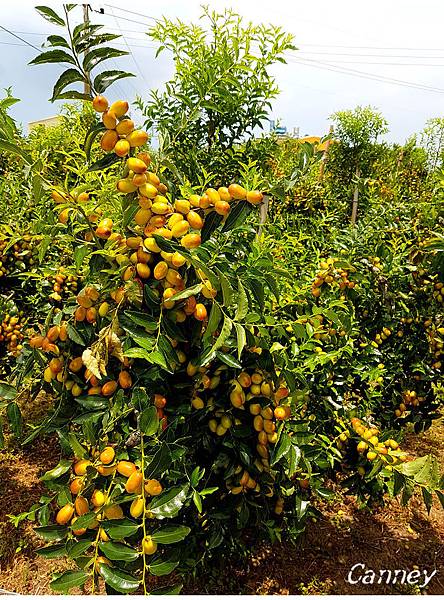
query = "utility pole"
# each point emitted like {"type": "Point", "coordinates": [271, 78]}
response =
{"type": "Point", "coordinates": [86, 87]}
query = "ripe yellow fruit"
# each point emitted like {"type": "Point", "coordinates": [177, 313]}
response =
{"type": "Point", "coordinates": [160, 208]}
{"type": "Point", "coordinates": [109, 388]}
{"type": "Point", "coordinates": [137, 138]}
{"type": "Point", "coordinates": [98, 498]}
{"type": "Point", "coordinates": [119, 108]}
{"type": "Point", "coordinates": [224, 194]}
{"type": "Point", "coordinates": [107, 455]}
{"type": "Point", "coordinates": [109, 119]}
{"type": "Point", "coordinates": [237, 192]}
{"type": "Point", "coordinates": [200, 312]}
{"type": "Point", "coordinates": [81, 505]}
{"type": "Point", "coordinates": [134, 483]}
{"type": "Point", "coordinates": [80, 531]}
{"type": "Point", "coordinates": [113, 511]}
{"type": "Point", "coordinates": [109, 140]}
{"type": "Point", "coordinates": [180, 229]}
{"type": "Point", "coordinates": [125, 380]}
{"type": "Point", "coordinates": [125, 127]}
{"type": "Point", "coordinates": [149, 546]}
{"type": "Point", "coordinates": [371, 456]}
{"type": "Point", "coordinates": [222, 208]}
{"type": "Point", "coordinates": [178, 260]}
{"type": "Point", "coordinates": [76, 486]}
{"type": "Point", "coordinates": [100, 104]}
{"type": "Point", "coordinates": [182, 206]}
{"type": "Point", "coordinates": [254, 197]}
{"type": "Point", "coordinates": [258, 423]}
{"type": "Point", "coordinates": [65, 514]}
{"type": "Point", "coordinates": [191, 240]}
{"type": "Point", "coordinates": [197, 403]}
{"type": "Point", "coordinates": [143, 270]}
{"type": "Point", "coordinates": [213, 195]}
{"type": "Point", "coordinates": [122, 148]}
{"type": "Point", "coordinates": [195, 220]}
{"type": "Point", "coordinates": [153, 487]}
{"type": "Point", "coordinates": [126, 468]}
{"type": "Point", "coordinates": [137, 507]}
{"type": "Point", "coordinates": [103, 309]}
{"type": "Point", "coordinates": [81, 466]}
{"type": "Point", "coordinates": [160, 270]}
{"type": "Point", "coordinates": [126, 186]}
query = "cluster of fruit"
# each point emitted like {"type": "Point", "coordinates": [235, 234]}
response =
{"type": "Point", "coordinates": [435, 336]}
{"type": "Point", "coordinates": [18, 257]}
{"type": "Point", "coordinates": [11, 333]}
{"type": "Point", "coordinates": [47, 342]}
{"type": "Point", "coordinates": [331, 275]}
{"type": "Point", "coordinates": [96, 497]}
{"type": "Point", "coordinates": [120, 135]}
{"type": "Point", "coordinates": [369, 444]}
{"type": "Point", "coordinates": [62, 283]}
{"type": "Point", "coordinates": [89, 307]}
{"type": "Point", "coordinates": [438, 292]}
{"type": "Point", "coordinates": [409, 398]}
{"type": "Point", "coordinates": [382, 336]}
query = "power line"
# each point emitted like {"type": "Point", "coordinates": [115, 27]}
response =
{"type": "Point", "coordinates": [20, 38]}
{"type": "Point", "coordinates": [131, 12]}
{"type": "Point", "coordinates": [364, 75]}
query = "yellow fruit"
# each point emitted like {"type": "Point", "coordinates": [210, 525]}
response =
{"type": "Point", "coordinates": [143, 270]}
{"type": "Point", "coordinates": [98, 498]}
{"type": "Point", "coordinates": [258, 423]}
{"type": "Point", "coordinates": [109, 119]}
{"type": "Point", "coordinates": [178, 260]}
{"type": "Point", "coordinates": [103, 309]}
{"type": "Point", "coordinates": [81, 505]}
{"type": "Point", "coordinates": [222, 208]}
{"type": "Point", "coordinates": [195, 220]}
{"type": "Point", "coordinates": [126, 186]}
{"type": "Point", "coordinates": [134, 483]}
{"type": "Point", "coordinates": [76, 486]}
{"type": "Point", "coordinates": [148, 190]}
{"type": "Point", "coordinates": [125, 380]}
{"type": "Point", "coordinates": [224, 194]}
{"type": "Point", "coordinates": [153, 487]}
{"type": "Point", "coordinates": [109, 388]}
{"type": "Point", "coordinates": [126, 468]}
{"type": "Point", "coordinates": [100, 104]}
{"type": "Point", "coordinates": [237, 191]}
{"type": "Point", "coordinates": [180, 229]}
{"type": "Point", "coordinates": [137, 138]}
{"type": "Point", "coordinates": [109, 140]}
{"type": "Point", "coordinates": [119, 108]}
{"type": "Point", "coordinates": [113, 511]}
{"type": "Point", "coordinates": [174, 219]}
{"type": "Point", "coordinates": [107, 455]}
{"type": "Point", "coordinates": [212, 424]}
{"type": "Point", "coordinates": [124, 128]}
{"type": "Point", "coordinates": [220, 430]}
{"type": "Point", "coordinates": [182, 206]}
{"type": "Point", "coordinates": [65, 514]}
{"type": "Point", "coordinates": [198, 403]}
{"type": "Point", "coordinates": [81, 466]}
{"type": "Point", "coordinates": [137, 507]}
{"type": "Point", "coordinates": [80, 531]}
{"type": "Point", "coordinates": [371, 456]}
{"type": "Point", "coordinates": [149, 546]}
{"type": "Point", "coordinates": [255, 197]}
{"type": "Point", "coordinates": [213, 195]}
{"type": "Point", "coordinates": [122, 148]}
{"type": "Point", "coordinates": [191, 240]}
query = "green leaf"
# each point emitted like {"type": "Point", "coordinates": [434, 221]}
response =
{"type": "Point", "coordinates": [149, 421]}
{"type": "Point", "coordinates": [69, 580]}
{"type": "Point", "coordinates": [52, 533]}
{"type": "Point", "coordinates": [192, 291]}
{"type": "Point", "coordinates": [197, 501]}
{"type": "Point", "coordinates": [242, 302]}
{"type": "Point", "coordinates": [53, 56]}
{"type": "Point", "coordinates": [281, 449]}
{"type": "Point", "coordinates": [103, 163]}
{"type": "Point", "coordinates": [119, 580]}
{"type": "Point", "coordinates": [67, 77]}
{"type": "Point", "coordinates": [212, 222]}
{"type": "Point", "coordinates": [75, 336]}
{"type": "Point", "coordinates": [164, 564]}
{"type": "Point", "coordinates": [84, 521]}
{"type": "Point", "coordinates": [119, 529]}
{"type": "Point", "coordinates": [77, 548]}
{"type": "Point", "coordinates": [50, 15]}
{"type": "Point", "coordinates": [53, 551]}
{"type": "Point", "coordinates": [15, 149]}
{"type": "Point", "coordinates": [143, 320]}
{"type": "Point", "coordinates": [227, 290]}
{"type": "Point", "coordinates": [96, 56]}
{"type": "Point", "coordinates": [229, 360]}
{"type": "Point", "coordinates": [7, 392]}
{"type": "Point", "coordinates": [57, 40]}
{"type": "Point", "coordinates": [138, 353]}
{"type": "Point", "coordinates": [169, 503]}
{"type": "Point", "coordinates": [237, 215]}
{"type": "Point", "coordinates": [171, 534]}
{"type": "Point", "coordinates": [103, 80]}
{"type": "Point", "coordinates": [241, 338]}
{"type": "Point", "coordinates": [89, 140]}
{"type": "Point", "coordinates": [15, 419]}
{"type": "Point", "coordinates": [63, 467]}
{"type": "Point", "coordinates": [117, 551]}
{"type": "Point", "coordinates": [159, 462]}
{"type": "Point", "coordinates": [213, 321]}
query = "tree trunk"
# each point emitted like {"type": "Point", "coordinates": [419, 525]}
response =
{"type": "Point", "coordinates": [354, 216]}
{"type": "Point", "coordinates": [263, 215]}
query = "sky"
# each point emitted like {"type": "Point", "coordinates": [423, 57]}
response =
{"type": "Point", "coordinates": [384, 53]}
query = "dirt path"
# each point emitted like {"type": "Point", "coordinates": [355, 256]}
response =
{"type": "Point", "coordinates": [389, 538]}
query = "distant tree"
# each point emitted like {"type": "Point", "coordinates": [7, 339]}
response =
{"type": "Point", "coordinates": [432, 140]}
{"type": "Point", "coordinates": [221, 90]}
{"type": "Point", "coordinates": [357, 131]}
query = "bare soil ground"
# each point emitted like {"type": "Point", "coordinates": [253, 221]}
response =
{"type": "Point", "coordinates": [392, 537]}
